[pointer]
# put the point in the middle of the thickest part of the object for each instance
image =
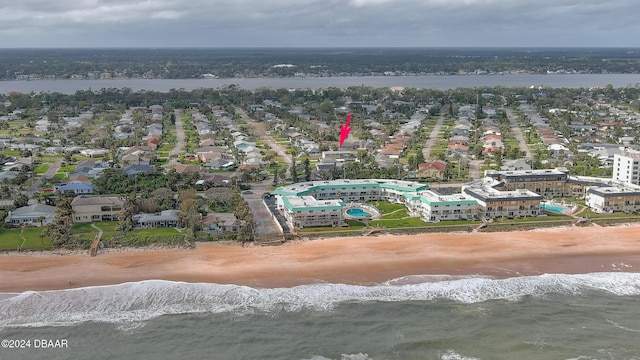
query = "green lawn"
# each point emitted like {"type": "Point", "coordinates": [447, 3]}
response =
{"type": "Point", "coordinates": [399, 214]}
{"type": "Point", "coordinates": [398, 223]}
{"type": "Point", "coordinates": [153, 232]}
{"type": "Point", "coordinates": [385, 207]}
{"type": "Point", "coordinates": [67, 169]}
{"type": "Point", "coordinates": [110, 229]}
{"type": "Point", "coordinates": [353, 225]}
{"type": "Point", "coordinates": [85, 231]}
{"type": "Point", "coordinates": [41, 169]}
{"type": "Point", "coordinates": [10, 239]}
{"type": "Point", "coordinates": [60, 176]}
{"type": "Point", "coordinates": [593, 215]}
{"type": "Point", "coordinates": [165, 148]}
{"type": "Point", "coordinates": [532, 219]}
{"type": "Point", "coordinates": [12, 152]}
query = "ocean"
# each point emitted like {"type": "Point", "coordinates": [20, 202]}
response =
{"type": "Point", "coordinates": [551, 316]}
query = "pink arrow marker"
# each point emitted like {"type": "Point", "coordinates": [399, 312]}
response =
{"type": "Point", "coordinates": [344, 130]}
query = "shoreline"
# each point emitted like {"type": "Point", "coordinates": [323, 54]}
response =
{"type": "Point", "coordinates": [348, 260]}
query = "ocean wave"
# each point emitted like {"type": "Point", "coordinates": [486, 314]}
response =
{"type": "Point", "coordinates": [140, 301]}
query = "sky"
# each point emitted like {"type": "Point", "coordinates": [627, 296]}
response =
{"type": "Point", "coordinates": [318, 23]}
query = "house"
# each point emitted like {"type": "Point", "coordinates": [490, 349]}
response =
{"type": "Point", "coordinates": [165, 218]}
{"type": "Point", "coordinates": [188, 169]}
{"type": "Point", "coordinates": [249, 167]}
{"type": "Point", "coordinates": [93, 153]}
{"type": "Point", "coordinates": [134, 170]}
{"type": "Point", "coordinates": [432, 169]}
{"type": "Point", "coordinates": [153, 141]}
{"type": "Point", "coordinates": [221, 222]}
{"type": "Point", "coordinates": [130, 159]}
{"type": "Point", "coordinates": [79, 188]}
{"type": "Point", "coordinates": [138, 150]}
{"type": "Point", "coordinates": [88, 208]}
{"type": "Point", "coordinates": [78, 178]}
{"type": "Point", "coordinates": [220, 164]}
{"type": "Point", "coordinates": [34, 215]}
{"type": "Point", "coordinates": [216, 179]}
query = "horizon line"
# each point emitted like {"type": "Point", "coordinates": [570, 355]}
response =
{"type": "Point", "coordinates": [313, 47]}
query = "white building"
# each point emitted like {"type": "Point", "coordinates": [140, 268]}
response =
{"type": "Point", "coordinates": [321, 203]}
{"type": "Point", "coordinates": [433, 207]}
{"type": "Point", "coordinates": [306, 211]}
{"type": "Point", "coordinates": [608, 199]}
{"type": "Point", "coordinates": [626, 167]}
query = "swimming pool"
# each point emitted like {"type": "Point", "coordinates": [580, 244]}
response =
{"type": "Point", "coordinates": [554, 208]}
{"type": "Point", "coordinates": [357, 212]}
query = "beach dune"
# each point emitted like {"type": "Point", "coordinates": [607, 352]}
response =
{"type": "Point", "coordinates": [353, 260]}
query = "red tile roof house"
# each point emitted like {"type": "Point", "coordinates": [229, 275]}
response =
{"type": "Point", "coordinates": [153, 142]}
{"type": "Point", "coordinates": [432, 169]}
{"type": "Point", "coordinates": [458, 146]}
{"type": "Point", "coordinates": [393, 149]}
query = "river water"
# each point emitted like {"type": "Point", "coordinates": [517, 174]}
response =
{"type": "Point", "coordinates": [435, 82]}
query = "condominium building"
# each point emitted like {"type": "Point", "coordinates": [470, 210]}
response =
{"type": "Point", "coordinates": [306, 211]}
{"type": "Point", "coordinates": [494, 203]}
{"type": "Point", "coordinates": [433, 207]}
{"type": "Point", "coordinates": [321, 203]}
{"type": "Point", "coordinates": [550, 183]}
{"type": "Point", "coordinates": [359, 190]}
{"type": "Point", "coordinates": [626, 167]}
{"type": "Point", "coordinates": [608, 199]}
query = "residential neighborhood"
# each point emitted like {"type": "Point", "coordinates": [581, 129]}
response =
{"type": "Point", "coordinates": [142, 167]}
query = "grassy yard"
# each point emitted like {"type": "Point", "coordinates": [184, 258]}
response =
{"type": "Point", "coordinates": [165, 148]}
{"type": "Point", "coordinates": [353, 225]}
{"type": "Point", "coordinates": [532, 219]}
{"type": "Point", "coordinates": [10, 239]}
{"type": "Point", "coordinates": [41, 169]}
{"type": "Point", "coordinates": [386, 207]}
{"type": "Point", "coordinates": [399, 214]}
{"type": "Point", "coordinates": [67, 168]}
{"type": "Point", "coordinates": [398, 223]}
{"type": "Point", "coordinates": [152, 232]}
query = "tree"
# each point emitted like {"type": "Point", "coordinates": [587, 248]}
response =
{"type": "Point", "coordinates": [276, 174]}
{"type": "Point", "coordinates": [189, 212]}
{"type": "Point", "coordinates": [411, 162]}
{"type": "Point", "coordinates": [419, 157]}
{"type": "Point", "coordinates": [294, 169]}
{"type": "Point", "coordinates": [125, 216]}
{"type": "Point", "coordinates": [59, 229]}
{"type": "Point", "coordinates": [307, 169]}
{"type": "Point", "coordinates": [21, 200]}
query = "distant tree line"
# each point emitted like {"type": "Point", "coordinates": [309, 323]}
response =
{"type": "Point", "coordinates": [229, 63]}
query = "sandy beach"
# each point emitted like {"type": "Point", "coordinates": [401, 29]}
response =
{"type": "Point", "coordinates": [356, 260]}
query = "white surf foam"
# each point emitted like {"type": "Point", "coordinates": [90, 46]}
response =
{"type": "Point", "coordinates": [140, 301]}
{"type": "Point", "coordinates": [452, 355]}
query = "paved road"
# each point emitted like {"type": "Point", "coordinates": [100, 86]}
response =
{"type": "Point", "coordinates": [517, 132]}
{"type": "Point", "coordinates": [433, 138]}
{"type": "Point", "coordinates": [260, 129]}
{"type": "Point", "coordinates": [179, 148]}
{"type": "Point", "coordinates": [475, 167]}
{"type": "Point", "coordinates": [37, 185]}
{"type": "Point", "coordinates": [263, 223]}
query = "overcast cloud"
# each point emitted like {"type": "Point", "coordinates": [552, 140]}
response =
{"type": "Point", "coordinates": [318, 23]}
